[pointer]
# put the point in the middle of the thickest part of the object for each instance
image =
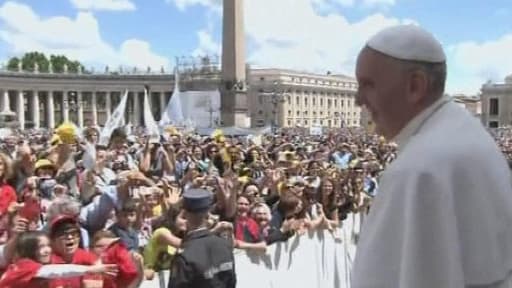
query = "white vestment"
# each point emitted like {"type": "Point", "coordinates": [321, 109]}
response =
{"type": "Point", "coordinates": [443, 215]}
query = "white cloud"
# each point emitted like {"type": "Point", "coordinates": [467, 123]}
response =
{"type": "Point", "coordinates": [379, 2]}
{"type": "Point", "coordinates": [474, 63]}
{"type": "Point", "coordinates": [111, 5]}
{"type": "Point", "coordinates": [304, 39]}
{"type": "Point", "coordinates": [350, 3]}
{"type": "Point", "coordinates": [77, 38]}
{"type": "Point", "coordinates": [207, 45]}
{"type": "Point", "coordinates": [184, 4]}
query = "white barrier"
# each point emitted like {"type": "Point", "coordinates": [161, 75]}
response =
{"type": "Point", "coordinates": [314, 260]}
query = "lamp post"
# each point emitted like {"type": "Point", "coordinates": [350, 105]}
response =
{"type": "Point", "coordinates": [73, 105]}
{"type": "Point", "coordinates": [277, 97]}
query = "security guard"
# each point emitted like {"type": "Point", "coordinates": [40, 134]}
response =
{"type": "Point", "coordinates": [206, 259]}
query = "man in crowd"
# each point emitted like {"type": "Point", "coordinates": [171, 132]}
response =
{"type": "Point", "coordinates": [192, 268]}
{"type": "Point", "coordinates": [444, 210]}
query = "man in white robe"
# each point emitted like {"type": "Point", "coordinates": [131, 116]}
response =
{"type": "Point", "coordinates": [443, 215]}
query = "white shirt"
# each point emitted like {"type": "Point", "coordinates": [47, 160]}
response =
{"type": "Point", "coordinates": [443, 215]}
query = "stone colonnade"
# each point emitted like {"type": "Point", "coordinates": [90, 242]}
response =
{"type": "Point", "coordinates": [47, 109]}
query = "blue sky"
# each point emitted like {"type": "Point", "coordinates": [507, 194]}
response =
{"type": "Point", "coordinates": [310, 35]}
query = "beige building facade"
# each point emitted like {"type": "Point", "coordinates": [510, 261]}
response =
{"type": "Point", "coordinates": [472, 104]}
{"type": "Point", "coordinates": [287, 98]}
{"type": "Point", "coordinates": [496, 102]}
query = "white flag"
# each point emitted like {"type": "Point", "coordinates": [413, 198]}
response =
{"type": "Point", "coordinates": [114, 121]}
{"type": "Point", "coordinates": [89, 157]}
{"type": "Point", "coordinates": [149, 121]}
{"type": "Point", "coordinates": [173, 113]}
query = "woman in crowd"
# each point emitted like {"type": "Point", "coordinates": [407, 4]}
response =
{"type": "Point", "coordinates": [164, 241]}
{"type": "Point", "coordinates": [32, 269]}
{"type": "Point", "coordinates": [7, 195]}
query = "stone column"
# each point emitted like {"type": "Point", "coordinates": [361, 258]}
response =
{"type": "Point", "coordinates": [20, 109]}
{"type": "Point", "coordinates": [94, 111]}
{"type": "Point", "coordinates": [80, 109]}
{"type": "Point", "coordinates": [108, 104]}
{"type": "Point", "coordinates": [35, 109]}
{"type": "Point", "coordinates": [136, 108]}
{"type": "Point", "coordinates": [6, 104]}
{"type": "Point", "coordinates": [50, 110]}
{"type": "Point", "coordinates": [65, 106]}
{"type": "Point", "coordinates": [163, 104]}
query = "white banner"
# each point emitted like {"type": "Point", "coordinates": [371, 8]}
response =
{"type": "Point", "coordinates": [114, 121]}
{"type": "Point", "coordinates": [149, 120]}
{"type": "Point", "coordinates": [314, 260]}
{"type": "Point", "coordinates": [173, 113]}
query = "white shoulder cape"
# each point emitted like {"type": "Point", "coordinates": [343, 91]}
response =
{"type": "Point", "coordinates": [443, 215]}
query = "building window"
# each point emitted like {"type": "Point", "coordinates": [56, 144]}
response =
{"type": "Point", "coordinates": [329, 103]}
{"type": "Point", "coordinates": [289, 99]}
{"type": "Point", "coordinates": [297, 100]}
{"type": "Point", "coordinates": [342, 103]}
{"type": "Point", "coordinates": [260, 112]}
{"type": "Point", "coordinates": [262, 78]}
{"type": "Point", "coordinates": [306, 113]}
{"type": "Point", "coordinates": [322, 122]}
{"type": "Point", "coordinates": [305, 101]}
{"type": "Point", "coordinates": [260, 99]}
{"type": "Point", "coordinates": [314, 113]}
{"type": "Point", "coordinates": [293, 79]}
{"type": "Point", "coordinates": [298, 113]}
{"type": "Point", "coordinates": [289, 112]}
{"type": "Point", "coordinates": [289, 123]}
{"type": "Point", "coordinates": [335, 103]}
{"type": "Point", "coordinates": [321, 113]}
{"type": "Point", "coordinates": [305, 122]}
{"type": "Point", "coordinates": [321, 101]}
{"type": "Point", "coordinates": [494, 107]}
{"type": "Point", "coordinates": [493, 124]}
{"type": "Point", "coordinates": [329, 123]}
{"type": "Point", "coordinates": [314, 102]}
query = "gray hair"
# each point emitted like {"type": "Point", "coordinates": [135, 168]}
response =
{"type": "Point", "coordinates": [436, 73]}
{"type": "Point", "coordinates": [63, 205]}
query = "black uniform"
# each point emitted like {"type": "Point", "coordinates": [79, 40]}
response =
{"type": "Point", "coordinates": [206, 260]}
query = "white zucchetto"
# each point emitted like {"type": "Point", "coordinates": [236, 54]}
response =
{"type": "Point", "coordinates": [408, 42]}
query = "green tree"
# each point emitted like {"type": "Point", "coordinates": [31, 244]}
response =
{"type": "Point", "coordinates": [30, 59]}
{"type": "Point", "coordinates": [13, 63]}
{"type": "Point", "coordinates": [57, 61]}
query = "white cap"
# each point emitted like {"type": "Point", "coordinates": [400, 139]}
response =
{"type": "Point", "coordinates": [408, 42]}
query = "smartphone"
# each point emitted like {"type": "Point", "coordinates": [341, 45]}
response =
{"type": "Point", "coordinates": [31, 210]}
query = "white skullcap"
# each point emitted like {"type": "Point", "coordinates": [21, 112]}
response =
{"type": "Point", "coordinates": [408, 42]}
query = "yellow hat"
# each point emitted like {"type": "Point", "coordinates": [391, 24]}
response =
{"type": "Point", "coordinates": [67, 133]}
{"type": "Point", "coordinates": [244, 179]}
{"type": "Point", "coordinates": [55, 140]}
{"type": "Point", "coordinates": [44, 163]}
{"type": "Point", "coordinates": [171, 130]}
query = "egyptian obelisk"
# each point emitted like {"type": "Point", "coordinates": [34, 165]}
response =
{"type": "Point", "coordinates": [234, 85]}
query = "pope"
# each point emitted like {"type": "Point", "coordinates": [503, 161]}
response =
{"type": "Point", "coordinates": [443, 215]}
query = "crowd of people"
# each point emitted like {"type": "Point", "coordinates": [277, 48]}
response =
{"type": "Point", "coordinates": [75, 212]}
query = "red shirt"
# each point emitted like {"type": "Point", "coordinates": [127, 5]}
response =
{"type": "Point", "coordinates": [117, 253]}
{"type": "Point", "coordinates": [247, 230]}
{"type": "Point", "coordinates": [81, 257]}
{"type": "Point", "coordinates": [23, 274]}
{"type": "Point", "coordinates": [7, 197]}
